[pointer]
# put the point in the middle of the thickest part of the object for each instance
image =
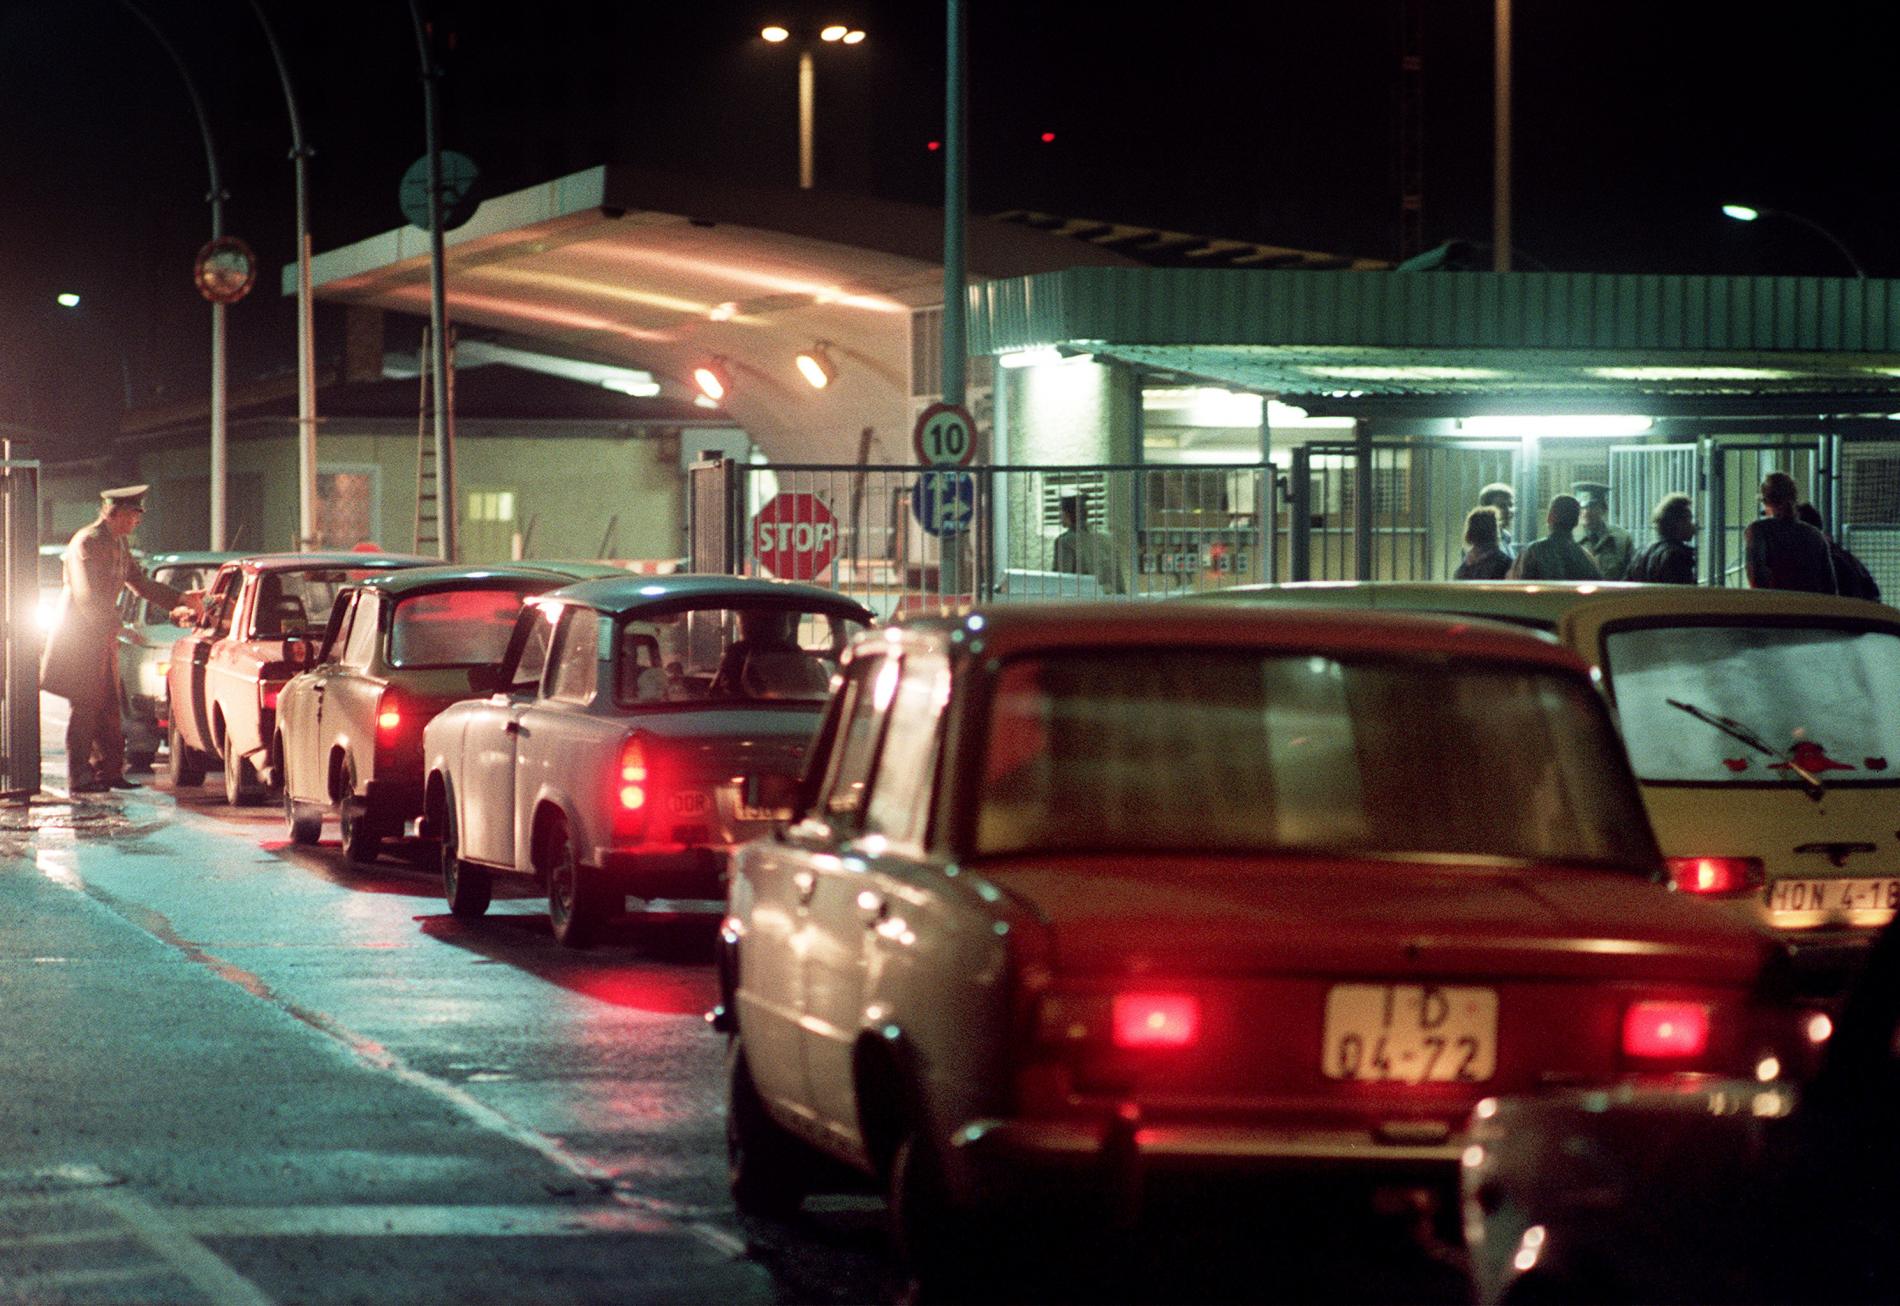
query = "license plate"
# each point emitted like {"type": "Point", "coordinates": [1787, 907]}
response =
{"type": "Point", "coordinates": [1410, 1034]}
{"type": "Point", "coordinates": [689, 802]}
{"type": "Point", "coordinates": [1833, 897]}
{"type": "Point", "coordinates": [747, 812]}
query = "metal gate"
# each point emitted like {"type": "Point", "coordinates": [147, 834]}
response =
{"type": "Point", "coordinates": [901, 537]}
{"type": "Point", "coordinates": [1409, 527]}
{"type": "Point", "coordinates": [1641, 475]}
{"type": "Point", "coordinates": [1735, 475]}
{"type": "Point", "coordinates": [1869, 509]}
{"type": "Point", "coordinates": [20, 640]}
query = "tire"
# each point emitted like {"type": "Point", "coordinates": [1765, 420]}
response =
{"type": "Point", "coordinates": [934, 1257]}
{"type": "Point", "coordinates": [467, 887]}
{"type": "Point", "coordinates": [766, 1167]}
{"type": "Point", "coordinates": [241, 785]}
{"type": "Point", "coordinates": [362, 844]}
{"type": "Point", "coordinates": [578, 903]}
{"type": "Point", "coordinates": [187, 767]}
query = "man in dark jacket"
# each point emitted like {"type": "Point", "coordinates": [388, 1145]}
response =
{"type": "Point", "coordinates": [1557, 556]}
{"type": "Point", "coordinates": [1669, 559]}
{"type": "Point", "coordinates": [1850, 573]}
{"type": "Point", "coordinates": [1782, 551]}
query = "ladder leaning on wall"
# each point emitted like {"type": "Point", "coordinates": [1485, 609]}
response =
{"type": "Point", "coordinates": [428, 536]}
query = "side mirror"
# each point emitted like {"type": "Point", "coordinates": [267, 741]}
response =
{"type": "Point", "coordinates": [297, 650]}
{"type": "Point", "coordinates": [484, 681]}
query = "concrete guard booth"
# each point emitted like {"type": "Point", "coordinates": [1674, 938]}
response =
{"type": "Point", "coordinates": [1213, 412]}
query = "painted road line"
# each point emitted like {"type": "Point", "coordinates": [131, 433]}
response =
{"type": "Point", "coordinates": [181, 1251]}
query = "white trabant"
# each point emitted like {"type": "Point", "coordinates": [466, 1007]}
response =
{"type": "Point", "coordinates": [1762, 726]}
{"type": "Point", "coordinates": [633, 733]}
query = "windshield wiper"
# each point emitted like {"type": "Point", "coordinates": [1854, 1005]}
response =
{"type": "Point", "coordinates": [1736, 730]}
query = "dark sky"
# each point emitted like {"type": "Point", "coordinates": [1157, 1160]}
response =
{"type": "Point", "coordinates": [1275, 121]}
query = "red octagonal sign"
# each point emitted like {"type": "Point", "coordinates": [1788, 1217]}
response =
{"type": "Point", "coordinates": [795, 536]}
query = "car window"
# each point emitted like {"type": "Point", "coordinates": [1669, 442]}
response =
{"type": "Point", "coordinates": [900, 794]}
{"type": "Point", "coordinates": [576, 657]}
{"type": "Point", "coordinates": [453, 628]}
{"type": "Point", "coordinates": [1189, 750]}
{"type": "Point", "coordinates": [1821, 695]}
{"type": "Point", "coordinates": [534, 649]}
{"type": "Point", "coordinates": [777, 652]}
{"type": "Point", "coordinates": [360, 649]}
{"type": "Point", "coordinates": [183, 578]}
{"type": "Point", "coordinates": [295, 602]}
{"type": "Point", "coordinates": [870, 690]}
{"type": "Point", "coordinates": [221, 605]}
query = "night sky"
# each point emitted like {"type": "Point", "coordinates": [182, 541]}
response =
{"type": "Point", "coordinates": [1268, 121]}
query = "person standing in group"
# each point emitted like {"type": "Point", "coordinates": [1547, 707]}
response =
{"type": "Point", "coordinates": [1781, 551]}
{"type": "Point", "coordinates": [1670, 558]}
{"type": "Point", "coordinates": [1850, 573]}
{"type": "Point", "coordinates": [81, 662]}
{"type": "Point", "coordinates": [1082, 550]}
{"type": "Point", "coordinates": [1557, 556]}
{"type": "Point", "coordinates": [1501, 497]}
{"type": "Point", "coordinates": [1484, 559]}
{"type": "Point", "coordinates": [1609, 546]}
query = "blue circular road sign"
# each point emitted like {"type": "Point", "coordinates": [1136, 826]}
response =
{"type": "Point", "coordinates": [944, 503]}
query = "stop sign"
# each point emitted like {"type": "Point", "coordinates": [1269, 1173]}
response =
{"type": "Point", "coordinates": [794, 536]}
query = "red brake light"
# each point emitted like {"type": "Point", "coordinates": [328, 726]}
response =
{"type": "Point", "coordinates": [633, 776]}
{"type": "Point", "coordinates": [267, 691]}
{"type": "Point", "coordinates": [1156, 1020]}
{"type": "Point", "coordinates": [1672, 1030]}
{"type": "Point", "coordinates": [1715, 877]}
{"type": "Point", "coordinates": [388, 719]}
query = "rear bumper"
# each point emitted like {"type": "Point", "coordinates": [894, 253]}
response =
{"type": "Point", "coordinates": [1113, 1163]}
{"type": "Point", "coordinates": [390, 803]}
{"type": "Point", "coordinates": [669, 871]}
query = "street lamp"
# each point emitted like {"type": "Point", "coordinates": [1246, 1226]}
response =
{"type": "Point", "coordinates": [831, 34]}
{"type": "Point", "coordinates": [1745, 213]}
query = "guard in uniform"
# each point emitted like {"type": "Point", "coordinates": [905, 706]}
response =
{"type": "Point", "coordinates": [1608, 546]}
{"type": "Point", "coordinates": [81, 662]}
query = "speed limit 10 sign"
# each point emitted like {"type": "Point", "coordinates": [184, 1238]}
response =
{"type": "Point", "coordinates": [945, 436]}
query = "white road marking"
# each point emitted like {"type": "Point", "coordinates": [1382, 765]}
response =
{"type": "Point", "coordinates": [415, 1221]}
{"type": "Point", "coordinates": [182, 1252]}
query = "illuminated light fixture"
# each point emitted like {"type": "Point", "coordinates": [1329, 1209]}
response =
{"type": "Point", "coordinates": [67, 299]}
{"type": "Point", "coordinates": [1691, 373]}
{"type": "Point", "coordinates": [713, 380]}
{"type": "Point", "coordinates": [775, 34]}
{"type": "Point", "coordinates": [853, 37]}
{"type": "Point", "coordinates": [625, 386]}
{"type": "Point", "coordinates": [1030, 357]}
{"type": "Point", "coordinates": [1381, 373]}
{"type": "Point", "coordinates": [1748, 213]}
{"type": "Point", "coordinates": [934, 146]}
{"type": "Point", "coordinates": [723, 312]}
{"type": "Point", "coordinates": [816, 367]}
{"type": "Point", "coordinates": [701, 401]}
{"type": "Point", "coordinates": [1600, 426]}
{"type": "Point", "coordinates": [835, 32]}
{"type": "Point", "coordinates": [1741, 212]}
{"type": "Point", "coordinates": [1048, 138]}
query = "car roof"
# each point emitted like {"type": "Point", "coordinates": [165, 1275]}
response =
{"type": "Point", "coordinates": [576, 568]}
{"type": "Point", "coordinates": [202, 558]}
{"type": "Point", "coordinates": [623, 594]}
{"type": "Point", "coordinates": [1034, 627]}
{"type": "Point", "coordinates": [335, 561]}
{"type": "Point", "coordinates": [409, 580]}
{"type": "Point", "coordinates": [1549, 601]}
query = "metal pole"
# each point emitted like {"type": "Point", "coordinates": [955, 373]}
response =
{"type": "Point", "coordinates": [306, 331]}
{"type": "Point", "coordinates": [1501, 144]}
{"type": "Point", "coordinates": [955, 336]}
{"type": "Point", "coordinates": [438, 306]}
{"type": "Point", "coordinates": [1362, 483]}
{"type": "Point", "coordinates": [216, 198]}
{"type": "Point", "coordinates": [807, 94]}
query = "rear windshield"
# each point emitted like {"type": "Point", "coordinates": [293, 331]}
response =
{"type": "Point", "coordinates": [753, 653]}
{"type": "Point", "coordinates": [454, 628]}
{"type": "Point", "coordinates": [1209, 750]}
{"type": "Point", "coordinates": [1822, 698]}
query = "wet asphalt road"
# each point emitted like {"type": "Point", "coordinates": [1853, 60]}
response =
{"type": "Point", "coordinates": [242, 1071]}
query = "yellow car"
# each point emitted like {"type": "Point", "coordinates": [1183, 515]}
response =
{"type": "Point", "coordinates": [1763, 725]}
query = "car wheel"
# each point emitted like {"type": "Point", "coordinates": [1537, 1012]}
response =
{"type": "Point", "coordinates": [933, 1257]}
{"type": "Point", "coordinates": [467, 886]}
{"type": "Point", "coordinates": [766, 1167]}
{"type": "Point", "coordinates": [187, 767]}
{"type": "Point", "coordinates": [577, 903]}
{"type": "Point", "coordinates": [361, 843]}
{"type": "Point", "coordinates": [241, 787]}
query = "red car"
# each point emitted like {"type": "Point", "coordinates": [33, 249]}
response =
{"type": "Point", "coordinates": [1080, 901]}
{"type": "Point", "coordinates": [254, 634]}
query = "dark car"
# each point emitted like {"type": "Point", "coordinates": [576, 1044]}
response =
{"type": "Point", "coordinates": [398, 648]}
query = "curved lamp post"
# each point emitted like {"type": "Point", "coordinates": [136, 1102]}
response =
{"type": "Point", "coordinates": [1744, 213]}
{"type": "Point", "coordinates": [834, 34]}
{"type": "Point", "coordinates": [216, 197]}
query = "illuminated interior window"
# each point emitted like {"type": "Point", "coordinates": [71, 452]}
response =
{"type": "Point", "coordinates": [491, 505]}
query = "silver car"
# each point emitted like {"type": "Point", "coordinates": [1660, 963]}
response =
{"type": "Point", "coordinates": [145, 651]}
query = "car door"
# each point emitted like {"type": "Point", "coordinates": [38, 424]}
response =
{"type": "Point", "coordinates": [346, 707]}
{"type": "Point", "coordinates": [306, 751]}
{"type": "Point", "coordinates": [219, 612]}
{"type": "Point", "coordinates": [485, 781]}
{"type": "Point", "coordinates": [838, 903]}
{"type": "Point", "coordinates": [556, 736]}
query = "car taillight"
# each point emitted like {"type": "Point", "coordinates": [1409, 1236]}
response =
{"type": "Point", "coordinates": [267, 691]}
{"type": "Point", "coordinates": [1715, 877]}
{"type": "Point", "coordinates": [633, 776]}
{"type": "Point", "coordinates": [1156, 1020]}
{"type": "Point", "coordinates": [1665, 1031]}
